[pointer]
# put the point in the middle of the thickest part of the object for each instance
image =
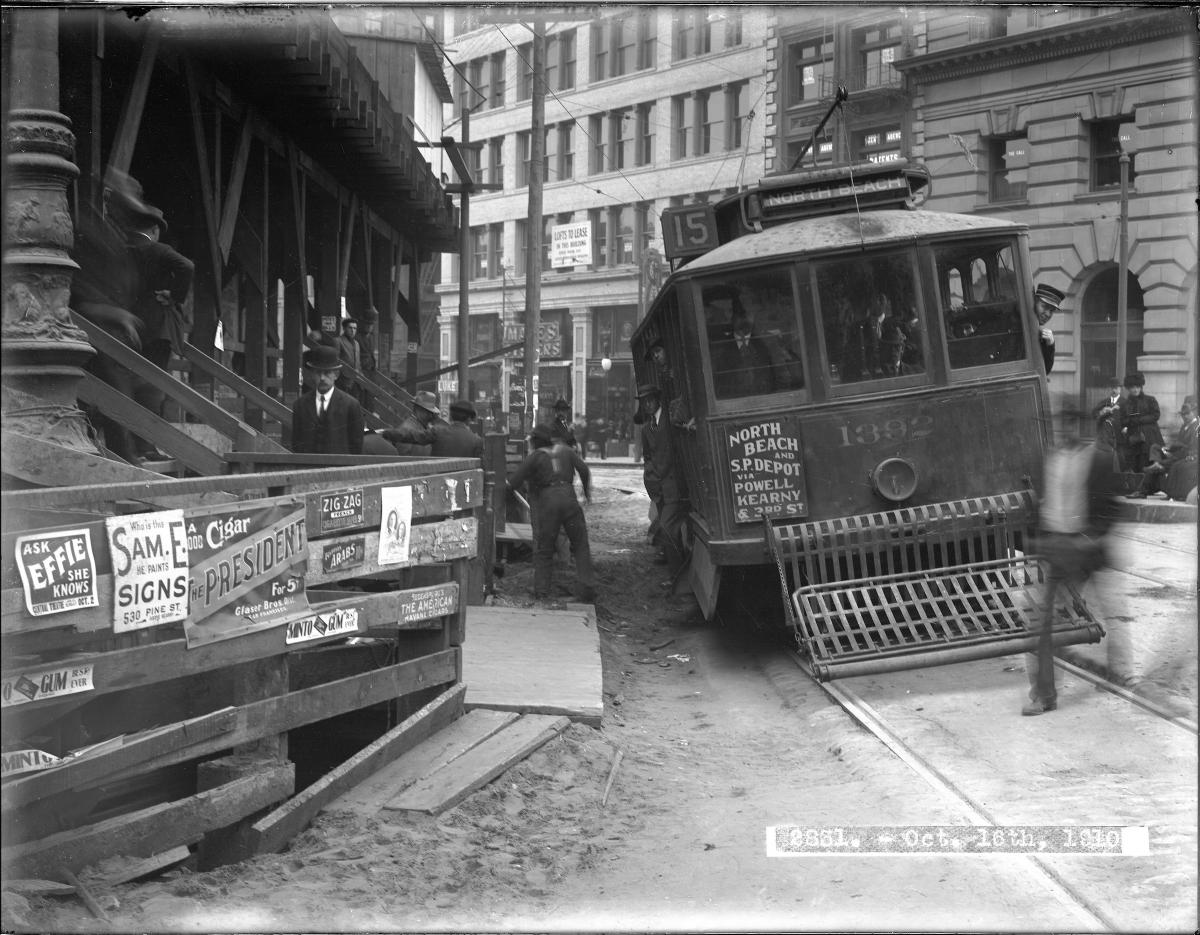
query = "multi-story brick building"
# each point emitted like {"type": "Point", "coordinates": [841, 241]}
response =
{"type": "Point", "coordinates": [1024, 112]}
{"type": "Point", "coordinates": [650, 107]}
{"type": "Point", "coordinates": [1017, 111]}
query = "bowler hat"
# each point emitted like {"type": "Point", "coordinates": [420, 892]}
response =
{"type": "Point", "coordinates": [462, 407]}
{"type": "Point", "coordinates": [1049, 295]}
{"type": "Point", "coordinates": [427, 401]}
{"type": "Point", "coordinates": [1189, 404]}
{"type": "Point", "coordinates": [1134, 379]}
{"type": "Point", "coordinates": [561, 403]}
{"type": "Point", "coordinates": [648, 389]}
{"type": "Point", "coordinates": [542, 433]}
{"type": "Point", "coordinates": [322, 357]}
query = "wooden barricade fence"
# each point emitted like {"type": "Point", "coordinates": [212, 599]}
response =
{"type": "Point", "coordinates": [286, 601]}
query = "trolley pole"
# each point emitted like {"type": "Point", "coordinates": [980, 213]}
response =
{"type": "Point", "coordinates": [464, 263]}
{"type": "Point", "coordinates": [533, 227]}
{"type": "Point", "coordinates": [1123, 272]}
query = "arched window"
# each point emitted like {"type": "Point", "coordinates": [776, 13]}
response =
{"type": "Point", "coordinates": [1099, 334]}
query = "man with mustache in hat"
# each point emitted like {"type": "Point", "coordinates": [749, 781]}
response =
{"type": "Point", "coordinates": [1174, 470]}
{"type": "Point", "coordinates": [548, 472]}
{"type": "Point", "coordinates": [456, 440]}
{"type": "Point", "coordinates": [415, 435]}
{"type": "Point", "coordinates": [1046, 301]}
{"type": "Point", "coordinates": [326, 420]}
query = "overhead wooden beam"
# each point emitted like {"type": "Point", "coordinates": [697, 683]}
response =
{"type": "Point", "coordinates": [125, 138]}
{"type": "Point", "coordinates": [233, 194]}
{"type": "Point", "coordinates": [347, 244]}
{"type": "Point", "coordinates": [208, 202]}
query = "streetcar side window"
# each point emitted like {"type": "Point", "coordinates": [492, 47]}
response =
{"type": "Point", "coordinates": [980, 305]}
{"type": "Point", "coordinates": [869, 314]}
{"type": "Point", "coordinates": [753, 333]}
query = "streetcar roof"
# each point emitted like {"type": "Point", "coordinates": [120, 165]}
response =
{"type": "Point", "coordinates": [844, 231]}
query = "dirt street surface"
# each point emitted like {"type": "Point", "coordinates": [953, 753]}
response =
{"type": "Point", "coordinates": [723, 737]}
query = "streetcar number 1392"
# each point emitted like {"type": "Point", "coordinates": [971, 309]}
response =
{"type": "Point", "coordinates": [893, 430]}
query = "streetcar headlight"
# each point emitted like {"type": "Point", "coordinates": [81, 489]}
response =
{"type": "Point", "coordinates": [895, 479]}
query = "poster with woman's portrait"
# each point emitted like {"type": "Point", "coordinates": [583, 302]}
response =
{"type": "Point", "coordinates": [395, 523]}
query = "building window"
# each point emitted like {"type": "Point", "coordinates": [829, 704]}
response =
{"type": "Point", "coordinates": [624, 36]}
{"type": "Point", "coordinates": [566, 60]}
{"type": "Point", "coordinates": [598, 217]}
{"type": "Point", "coordinates": [647, 39]}
{"type": "Point", "coordinates": [710, 110]}
{"type": "Point", "coordinates": [733, 28]}
{"type": "Point", "coordinates": [622, 124]}
{"type": "Point", "coordinates": [596, 131]}
{"type": "Point", "coordinates": [522, 158]}
{"type": "Point", "coordinates": [600, 50]}
{"type": "Point", "coordinates": [474, 160]}
{"type": "Point", "coordinates": [644, 221]}
{"type": "Point", "coordinates": [495, 253]}
{"type": "Point", "coordinates": [1106, 153]}
{"type": "Point", "coordinates": [876, 48]}
{"type": "Point", "coordinates": [819, 154]}
{"type": "Point", "coordinates": [983, 24]}
{"type": "Point", "coordinates": [566, 150]}
{"type": "Point", "coordinates": [683, 31]}
{"type": "Point", "coordinates": [522, 228]}
{"type": "Point", "coordinates": [496, 160]}
{"type": "Point", "coordinates": [1008, 162]}
{"type": "Point", "coordinates": [496, 79]}
{"type": "Point", "coordinates": [683, 118]}
{"type": "Point", "coordinates": [623, 234]}
{"type": "Point", "coordinates": [547, 239]}
{"type": "Point", "coordinates": [737, 97]}
{"type": "Point", "coordinates": [525, 72]}
{"type": "Point", "coordinates": [810, 63]}
{"type": "Point", "coordinates": [645, 134]}
{"type": "Point", "coordinates": [478, 252]}
{"type": "Point", "coordinates": [878, 144]}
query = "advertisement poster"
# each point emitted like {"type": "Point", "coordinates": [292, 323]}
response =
{"type": "Point", "coordinates": [24, 687]}
{"type": "Point", "coordinates": [58, 571]}
{"type": "Point", "coordinates": [394, 525]}
{"type": "Point", "coordinates": [342, 509]}
{"type": "Point", "coordinates": [766, 470]}
{"type": "Point", "coordinates": [25, 761]}
{"type": "Point", "coordinates": [248, 562]}
{"type": "Point", "coordinates": [342, 622]}
{"type": "Point", "coordinates": [150, 569]}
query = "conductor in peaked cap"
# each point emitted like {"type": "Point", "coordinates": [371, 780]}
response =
{"type": "Point", "coordinates": [664, 484]}
{"type": "Point", "coordinates": [1046, 301]}
{"type": "Point", "coordinates": [456, 440]}
{"type": "Point", "coordinates": [326, 420]}
{"type": "Point", "coordinates": [414, 436]}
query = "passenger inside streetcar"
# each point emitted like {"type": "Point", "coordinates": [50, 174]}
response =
{"type": "Point", "coordinates": [753, 334]}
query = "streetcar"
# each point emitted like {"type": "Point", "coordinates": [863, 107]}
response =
{"type": "Point", "coordinates": [859, 408]}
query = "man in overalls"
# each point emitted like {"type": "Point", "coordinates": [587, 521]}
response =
{"type": "Point", "coordinates": [548, 472]}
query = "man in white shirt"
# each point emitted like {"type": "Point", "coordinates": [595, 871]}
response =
{"type": "Point", "coordinates": [326, 420]}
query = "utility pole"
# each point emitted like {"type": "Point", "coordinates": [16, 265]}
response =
{"type": "Point", "coordinates": [464, 259]}
{"type": "Point", "coordinates": [533, 227]}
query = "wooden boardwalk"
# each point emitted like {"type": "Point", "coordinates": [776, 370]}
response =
{"type": "Point", "coordinates": [534, 660]}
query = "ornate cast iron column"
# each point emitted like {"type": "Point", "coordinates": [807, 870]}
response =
{"type": "Point", "coordinates": [42, 350]}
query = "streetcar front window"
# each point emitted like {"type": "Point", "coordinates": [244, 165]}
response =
{"type": "Point", "coordinates": [980, 304]}
{"type": "Point", "coordinates": [753, 333]}
{"type": "Point", "coordinates": [869, 311]}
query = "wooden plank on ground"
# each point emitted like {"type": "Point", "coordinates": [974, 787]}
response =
{"type": "Point", "coordinates": [432, 754]}
{"type": "Point", "coordinates": [449, 785]}
{"type": "Point", "coordinates": [270, 833]}
{"type": "Point", "coordinates": [150, 830]}
{"type": "Point", "coordinates": [124, 870]}
{"type": "Point", "coordinates": [534, 660]}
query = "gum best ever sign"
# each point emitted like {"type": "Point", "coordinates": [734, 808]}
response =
{"type": "Point", "coordinates": [247, 568]}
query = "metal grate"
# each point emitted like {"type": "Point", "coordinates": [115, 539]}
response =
{"type": "Point", "coordinates": [917, 587]}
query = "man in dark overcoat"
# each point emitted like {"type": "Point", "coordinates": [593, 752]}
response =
{"type": "Point", "coordinates": [660, 474]}
{"type": "Point", "coordinates": [1174, 470]}
{"type": "Point", "coordinates": [456, 440]}
{"type": "Point", "coordinates": [414, 436]}
{"type": "Point", "coordinates": [326, 420]}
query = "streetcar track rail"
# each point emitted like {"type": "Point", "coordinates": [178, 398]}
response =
{"type": "Point", "coordinates": [862, 712]}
